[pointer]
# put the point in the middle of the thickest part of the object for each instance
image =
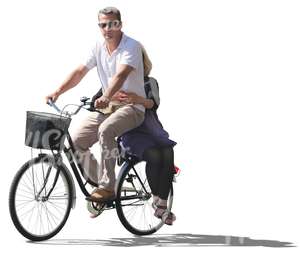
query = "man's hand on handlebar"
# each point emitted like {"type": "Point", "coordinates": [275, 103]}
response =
{"type": "Point", "coordinates": [54, 96]}
{"type": "Point", "coordinates": [85, 104]}
{"type": "Point", "coordinates": [101, 102]}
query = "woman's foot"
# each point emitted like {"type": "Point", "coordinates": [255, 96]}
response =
{"type": "Point", "coordinates": [162, 213]}
{"type": "Point", "coordinates": [159, 211]}
{"type": "Point", "coordinates": [159, 205]}
{"type": "Point", "coordinates": [155, 202]}
{"type": "Point", "coordinates": [168, 218]}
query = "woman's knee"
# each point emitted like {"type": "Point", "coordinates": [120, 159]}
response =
{"type": "Point", "coordinates": [152, 156]}
{"type": "Point", "coordinates": [168, 154]}
{"type": "Point", "coordinates": [168, 159]}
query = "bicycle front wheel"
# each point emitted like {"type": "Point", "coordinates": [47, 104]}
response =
{"type": "Point", "coordinates": [134, 201]}
{"type": "Point", "coordinates": [40, 198]}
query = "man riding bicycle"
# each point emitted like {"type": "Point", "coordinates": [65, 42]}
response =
{"type": "Point", "coordinates": [119, 65]}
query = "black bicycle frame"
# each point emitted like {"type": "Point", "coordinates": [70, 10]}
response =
{"type": "Point", "coordinates": [68, 152]}
{"type": "Point", "coordinates": [78, 169]}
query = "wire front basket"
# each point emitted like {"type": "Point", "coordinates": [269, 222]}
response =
{"type": "Point", "coordinates": [46, 130]}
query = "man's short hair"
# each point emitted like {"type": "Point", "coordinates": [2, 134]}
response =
{"type": "Point", "coordinates": [110, 10]}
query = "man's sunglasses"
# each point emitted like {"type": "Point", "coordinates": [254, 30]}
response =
{"type": "Point", "coordinates": [110, 24]}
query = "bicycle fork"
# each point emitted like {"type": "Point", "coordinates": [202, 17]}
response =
{"type": "Point", "coordinates": [46, 179]}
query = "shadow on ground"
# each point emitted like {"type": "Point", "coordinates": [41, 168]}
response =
{"type": "Point", "coordinates": [175, 240]}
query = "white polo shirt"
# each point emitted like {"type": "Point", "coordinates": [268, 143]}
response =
{"type": "Point", "coordinates": [128, 52]}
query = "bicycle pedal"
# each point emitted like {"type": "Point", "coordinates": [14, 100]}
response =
{"type": "Point", "coordinates": [109, 203]}
{"type": "Point", "coordinates": [95, 208]}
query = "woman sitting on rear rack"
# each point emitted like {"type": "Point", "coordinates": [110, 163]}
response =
{"type": "Point", "coordinates": [150, 142]}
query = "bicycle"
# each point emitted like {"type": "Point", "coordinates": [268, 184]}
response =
{"type": "Point", "coordinates": [43, 190]}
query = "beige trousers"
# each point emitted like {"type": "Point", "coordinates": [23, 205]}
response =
{"type": "Point", "coordinates": [104, 129]}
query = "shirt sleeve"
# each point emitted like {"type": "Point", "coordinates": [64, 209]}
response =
{"type": "Point", "coordinates": [132, 56]}
{"type": "Point", "coordinates": [91, 60]}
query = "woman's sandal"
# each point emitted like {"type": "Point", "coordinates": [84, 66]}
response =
{"type": "Point", "coordinates": [159, 211]}
{"type": "Point", "coordinates": [168, 218]}
{"type": "Point", "coordinates": [162, 213]}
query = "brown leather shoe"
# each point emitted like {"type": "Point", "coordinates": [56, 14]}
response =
{"type": "Point", "coordinates": [101, 195]}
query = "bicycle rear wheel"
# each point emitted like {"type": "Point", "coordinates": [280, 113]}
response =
{"type": "Point", "coordinates": [37, 213]}
{"type": "Point", "coordinates": [134, 201]}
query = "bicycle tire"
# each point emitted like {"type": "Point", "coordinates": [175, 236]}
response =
{"type": "Point", "coordinates": [44, 158]}
{"type": "Point", "coordinates": [121, 212]}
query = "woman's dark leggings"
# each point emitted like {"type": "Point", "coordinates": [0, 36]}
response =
{"type": "Point", "coordinates": [160, 170]}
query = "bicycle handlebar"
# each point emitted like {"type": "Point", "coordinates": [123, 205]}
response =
{"type": "Point", "coordinates": [84, 102]}
{"type": "Point", "coordinates": [52, 104]}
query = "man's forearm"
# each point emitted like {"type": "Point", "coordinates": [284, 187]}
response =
{"type": "Point", "coordinates": [72, 80]}
{"type": "Point", "coordinates": [117, 81]}
{"type": "Point", "coordinates": [114, 85]}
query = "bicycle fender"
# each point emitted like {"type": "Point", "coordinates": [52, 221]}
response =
{"type": "Point", "coordinates": [124, 167]}
{"type": "Point", "coordinates": [72, 183]}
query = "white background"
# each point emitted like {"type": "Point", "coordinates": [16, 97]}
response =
{"type": "Point", "coordinates": [229, 79]}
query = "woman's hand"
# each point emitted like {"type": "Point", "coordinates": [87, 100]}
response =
{"type": "Point", "coordinates": [132, 98]}
{"type": "Point", "coordinates": [117, 96]}
{"type": "Point", "coordinates": [128, 97]}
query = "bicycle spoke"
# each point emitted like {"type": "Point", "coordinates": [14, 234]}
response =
{"type": "Point", "coordinates": [26, 212]}
{"type": "Point", "coordinates": [29, 220]}
{"type": "Point", "coordinates": [54, 217]}
{"type": "Point", "coordinates": [57, 207]}
{"type": "Point", "coordinates": [48, 219]}
{"type": "Point", "coordinates": [33, 180]}
{"type": "Point", "coordinates": [30, 193]}
{"type": "Point", "coordinates": [20, 206]}
{"type": "Point", "coordinates": [131, 212]}
{"type": "Point", "coordinates": [30, 184]}
{"type": "Point", "coordinates": [23, 196]}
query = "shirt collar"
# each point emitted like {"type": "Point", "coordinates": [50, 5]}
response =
{"type": "Point", "coordinates": [121, 43]}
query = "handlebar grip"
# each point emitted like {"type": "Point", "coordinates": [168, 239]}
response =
{"type": "Point", "coordinates": [50, 102]}
{"type": "Point", "coordinates": [92, 107]}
